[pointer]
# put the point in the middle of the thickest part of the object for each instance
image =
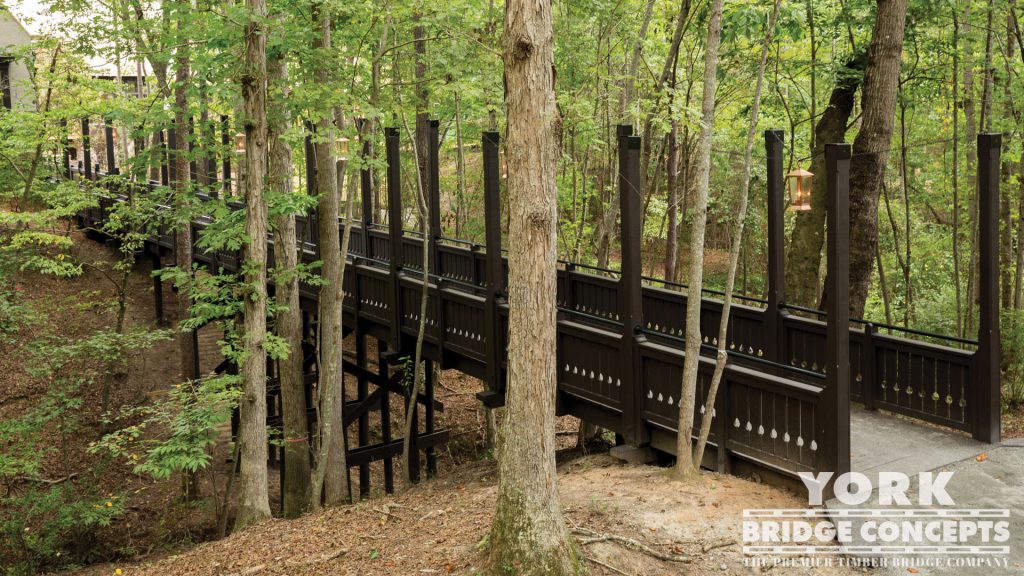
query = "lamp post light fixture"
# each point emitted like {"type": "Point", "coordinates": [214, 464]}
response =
{"type": "Point", "coordinates": [341, 147]}
{"type": "Point", "coordinates": [240, 143]}
{"type": "Point", "coordinates": [799, 182]}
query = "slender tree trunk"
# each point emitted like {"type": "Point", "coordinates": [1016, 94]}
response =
{"type": "Point", "coordinates": [528, 535]}
{"type": "Point", "coordinates": [422, 98]}
{"type": "Point", "coordinates": [253, 500]}
{"type": "Point", "coordinates": [737, 243]}
{"type": "Point", "coordinates": [686, 468]}
{"type": "Point", "coordinates": [181, 182]}
{"type": "Point", "coordinates": [288, 322]}
{"type": "Point", "coordinates": [329, 364]}
{"type": "Point", "coordinates": [955, 179]}
{"type": "Point", "coordinates": [970, 146]}
{"type": "Point", "coordinates": [870, 147]}
{"type": "Point", "coordinates": [418, 364]}
{"type": "Point", "coordinates": [672, 234]}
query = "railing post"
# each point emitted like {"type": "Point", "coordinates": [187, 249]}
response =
{"type": "Point", "coordinates": [165, 178]}
{"type": "Point", "coordinates": [986, 397]}
{"type": "Point", "coordinates": [225, 140]}
{"type": "Point", "coordinates": [774, 337]}
{"type": "Point", "coordinates": [869, 370]}
{"type": "Point", "coordinates": [366, 186]}
{"type": "Point", "coordinates": [86, 149]}
{"type": "Point", "coordinates": [312, 229]}
{"type": "Point", "coordinates": [434, 194]}
{"type": "Point", "coordinates": [630, 288]}
{"type": "Point", "coordinates": [495, 395]}
{"type": "Point", "coordinates": [172, 153]}
{"type": "Point", "coordinates": [65, 146]}
{"type": "Point", "coordinates": [834, 420]}
{"type": "Point", "coordinates": [391, 145]}
{"type": "Point", "coordinates": [108, 140]}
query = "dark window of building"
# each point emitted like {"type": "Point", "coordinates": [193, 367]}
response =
{"type": "Point", "coordinates": [5, 81]}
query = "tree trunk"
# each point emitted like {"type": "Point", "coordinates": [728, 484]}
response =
{"type": "Point", "coordinates": [685, 466]}
{"type": "Point", "coordinates": [803, 261]}
{"type": "Point", "coordinates": [871, 146]}
{"type": "Point", "coordinates": [253, 500]}
{"type": "Point", "coordinates": [422, 99]}
{"type": "Point", "coordinates": [529, 536]}
{"type": "Point", "coordinates": [181, 183]}
{"type": "Point", "coordinates": [288, 322]}
{"type": "Point", "coordinates": [737, 243]}
{"type": "Point", "coordinates": [329, 363]}
{"type": "Point", "coordinates": [672, 235]}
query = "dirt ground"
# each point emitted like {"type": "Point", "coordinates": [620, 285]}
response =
{"type": "Point", "coordinates": [437, 528]}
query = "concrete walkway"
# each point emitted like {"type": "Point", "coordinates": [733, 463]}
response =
{"type": "Point", "coordinates": [882, 442]}
{"type": "Point", "coordinates": [984, 477]}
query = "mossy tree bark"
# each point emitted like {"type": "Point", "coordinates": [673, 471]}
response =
{"type": "Point", "coordinates": [529, 535]}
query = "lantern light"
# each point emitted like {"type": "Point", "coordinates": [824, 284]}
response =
{"type": "Point", "coordinates": [799, 183]}
{"type": "Point", "coordinates": [240, 143]}
{"type": "Point", "coordinates": [341, 147]}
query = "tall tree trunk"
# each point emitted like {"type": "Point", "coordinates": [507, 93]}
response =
{"type": "Point", "coordinates": [181, 182]}
{"type": "Point", "coordinates": [672, 234]}
{"type": "Point", "coordinates": [422, 99]}
{"type": "Point", "coordinates": [737, 243]}
{"type": "Point", "coordinates": [871, 146]}
{"type": "Point", "coordinates": [528, 535]}
{"type": "Point", "coordinates": [418, 373]}
{"type": "Point", "coordinates": [970, 146]}
{"type": "Point", "coordinates": [253, 500]}
{"type": "Point", "coordinates": [329, 363]}
{"type": "Point", "coordinates": [955, 179]}
{"type": "Point", "coordinates": [288, 322]}
{"type": "Point", "coordinates": [803, 261]}
{"type": "Point", "coordinates": [686, 468]}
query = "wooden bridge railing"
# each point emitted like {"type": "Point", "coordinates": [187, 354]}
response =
{"type": "Point", "coordinates": [620, 341]}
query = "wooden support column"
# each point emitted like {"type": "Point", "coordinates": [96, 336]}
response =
{"type": "Point", "coordinates": [225, 140]}
{"type": "Point", "coordinates": [108, 141]}
{"type": "Point", "coordinates": [366, 189]}
{"type": "Point", "coordinates": [774, 336]}
{"type": "Point", "coordinates": [385, 415]}
{"type": "Point", "coordinates": [158, 285]}
{"type": "Point", "coordinates": [312, 227]}
{"type": "Point", "coordinates": [172, 152]}
{"type": "Point", "coordinates": [86, 149]}
{"type": "Point", "coordinates": [364, 419]}
{"type": "Point", "coordinates": [391, 145]}
{"type": "Point", "coordinates": [494, 396]}
{"type": "Point", "coordinates": [428, 417]}
{"type": "Point", "coordinates": [65, 147]}
{"type": "Point", "coordinates": [630, 302]}
{"type": "Point", "coordinates": [986, 386]}
{"type": "Point", "coordinates": [165, 177]}
{"type": "Point", "coordinates": [834, 421]}
{"type": "Point", "coordinates": [434, 194]}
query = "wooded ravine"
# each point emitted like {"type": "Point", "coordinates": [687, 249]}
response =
{"type": "Point", "coordinates": [373, 287]}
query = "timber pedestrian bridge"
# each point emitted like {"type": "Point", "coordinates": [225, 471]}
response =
{"type": "Point", "coordinates": [784, 405]}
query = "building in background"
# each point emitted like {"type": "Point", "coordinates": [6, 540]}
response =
{"type": "Point", "coordinates": [14, 75]}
